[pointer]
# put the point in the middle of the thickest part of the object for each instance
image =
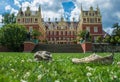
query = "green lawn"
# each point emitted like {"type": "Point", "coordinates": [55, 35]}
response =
{"type": "Point", "coordinates": [21, 67]}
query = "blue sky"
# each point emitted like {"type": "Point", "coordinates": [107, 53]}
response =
{"type": "Point", "coordinates": [110, 9]}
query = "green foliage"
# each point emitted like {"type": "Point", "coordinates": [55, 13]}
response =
{"type": "Point", "coordinates": [9, 18]}
{"type": "Point", "coordinates": [106, 39]}
{"type": "Point", "coordinates": [12, 36]}
{"type": "Point", "coordinates": [21, 67]}
{"type": "Point", "coordinates": [35, 33]}
{"type": "Point", "coordinates": [82, 33]}
{"type": "Point", "coordinates": [99, 39]}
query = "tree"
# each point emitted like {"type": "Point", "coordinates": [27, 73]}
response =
{"type": "Point", "coordinates": [35, 34]}
{"type": "Point", "coordinates": [9, 18]}
{"type": "Point", "coordinates": [12, 36]}
{"type": "Point", "coordinates": [107, 39]}
{"type": "Point", "coordinates": [99, 39]}
{"type": "Point", "coordinates": [116, 31]}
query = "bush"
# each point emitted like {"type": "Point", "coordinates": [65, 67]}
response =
{"type": "Point", "coordinates": [12, 36]}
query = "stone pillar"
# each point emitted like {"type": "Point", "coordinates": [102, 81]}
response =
{"type": "Point", "coordinates": [87, 47]}
{"type": "Point", "coordinates": [28, 46]}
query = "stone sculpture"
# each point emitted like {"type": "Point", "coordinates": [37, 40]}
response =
{"type": "Point", "coordinates": [94, 58]}
{"type": "Point", "coordinates": [42, 55]}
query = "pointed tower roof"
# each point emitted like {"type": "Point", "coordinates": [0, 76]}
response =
{"type": "Point", "coordinates": [39, 9]}
{"type": "Point", "coordinates": [81, 7]}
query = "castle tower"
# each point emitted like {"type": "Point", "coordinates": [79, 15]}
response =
{"type": "Point", "coordinates": [32, 20]}
{"type": "Point", "coordinates": [91, 20]}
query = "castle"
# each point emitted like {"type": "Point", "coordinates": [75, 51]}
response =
{"type": "Point", "coordinates": [62, 32]}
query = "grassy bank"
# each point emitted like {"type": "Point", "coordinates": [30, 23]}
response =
{"type": "Point", "coordinates": [21, 67]}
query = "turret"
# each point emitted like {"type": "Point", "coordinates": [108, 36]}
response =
{"type": "Point", "coordinates": [20, 13]}
{"type": "Point", "coordinates": [98, 10]}
{"type": "Point", "coordinates": [39, 10]}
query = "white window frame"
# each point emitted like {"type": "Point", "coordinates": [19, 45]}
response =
{"type": "Point", "coordinates": [95, 29]}
{"type": "Point", "coordinates": [88, 28]}
{"type": "Point", "coordinates": [30, 29]}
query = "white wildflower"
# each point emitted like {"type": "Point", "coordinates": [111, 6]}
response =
{"type": "Point", "coordinates": [27, 74]}
{"type": "Point", "coordinates": [40, 77]}
{"type": "Point", "coordinates": [10, 64]}
{"type": "Point", "coordinates": [13, 70]}
{"type": "Point", "coordinates": [113, 77]}
{"type": "Point", "coordinates": [75, 80]}
{"type": "Point", "coordinates": [57, 80]}
{"type": "Point", "coordinates": [22, 80]}
{"type": "Point", "coordinates": [2, 68]}
{"type": "Point", "coordinates": [89, 74]}
{"type": "Point", "coordinates": [89, 68]}
{"type": "Point", "coordinates": [29, 60]}
{"type": "Point", "coordinates": [118, 63]}
{"type": "Point", "coordinates": [22, 61]}
{"type": "Point", "coordinates": [40, 66]}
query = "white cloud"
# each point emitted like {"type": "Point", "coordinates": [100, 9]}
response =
{"type": "Point", "coordinates": [12, 10]}
{"type": "Point", "coordinates": [8, 7]}
{"type": "Point", "coordinates": [75, 14]}
{"type": "Point", "coordinates": [16, 2]}
{"type": "Point", "coordinates": [50, 9]}
{"type": "Point", "coordinates": [118, 15]}
{"type": "Point", "coordinates": [108, 30]}
{"type": "Point", "coordinates": [1, 24]}
{"type": "Point", "coordinates": [1, 18]}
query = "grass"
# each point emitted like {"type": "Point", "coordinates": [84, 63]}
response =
{"type": "Point", "coordinates": [21, 67]}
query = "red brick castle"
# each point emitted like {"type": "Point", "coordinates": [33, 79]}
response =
{"type": "Point", "coordinates": [62, 32]}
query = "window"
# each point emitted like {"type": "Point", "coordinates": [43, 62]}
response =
{"type": "Point", "coordinates": [27, 20]}
{"type": "Point", "coordinates": [84, 19]}
{"type": "Point", "coordinates": [88, 29]}
{"type": "Point", "coordinates": [65, 32]}
{"type": "Point", "coordinates": [95, 29]}
{"type": "Point", "coordinates": [18, 20]}
{"type": "Point", "coordinates": [91, 20]}
{"type": "Point", "coordinates": [61, 32]}
{"type": "Point", "coordinates": [36, 20]}
{"type": "Point", "coordinates": [99, 20]}
{"type": "Point", "coordinates": [30, 29]}
{"type": "Point", "coordinates": [52, 32]}
{"type": "Point", "coordinates": [95, 38]}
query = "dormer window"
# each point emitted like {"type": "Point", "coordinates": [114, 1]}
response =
{"type": "Point", "coordinates": [18, 20]}
{"type": "Point", "coordinates": [36, 20]}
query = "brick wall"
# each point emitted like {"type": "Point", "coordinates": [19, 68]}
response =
{"type": "Point", "coordinates": [4, 49]}
{"type": "Point", "coordinates": [28, 46]}
{"type": "Point", "coordinates": [105, 47]}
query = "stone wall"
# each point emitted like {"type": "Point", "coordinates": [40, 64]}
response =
{"type": "Point", "coordinates": [105, 47]}
{"type": "Point", "coordinates": [4, 49]}
{"type": "Point", "coordinates": [59, 48]}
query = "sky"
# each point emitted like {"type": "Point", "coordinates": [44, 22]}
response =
{"type": "Point", "coordinates": [69, 9]}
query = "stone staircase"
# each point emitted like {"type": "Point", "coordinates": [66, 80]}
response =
{"type": "Point", "coordinates": [59, 48]}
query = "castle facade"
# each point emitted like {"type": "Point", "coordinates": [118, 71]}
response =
{"type": "Point", "coordinates": [62, 32]}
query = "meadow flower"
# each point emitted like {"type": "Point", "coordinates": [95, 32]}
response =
{"type": "Point", "coordinates": [40, 66]}
{"type": "Point", "coordinates": [113, 77]}
{"type": "Point", "coordinates": [75, 80]}
{"type": "Point", "coordinates": [2, 68]}
{"type": "Point", "coordinates": [40, 77]}
{"type": "Point", "coordinates": [27, 74]}
{"type": "Point", "coordinates": [57, 80]}
{"type": "Point", "coordinates": [89, 68]}
{"type": "Point", "coordinates": [22, 80]}
{"type": "Point", "coordinates": [10, 64]}
{"type": "Point", "coordinates": [22, 61]}
{"type": "Point", "coordinates": [13, 70]}
{"type": "Point", "coordinates": [89, 74]}
{"type": "Point", "coordinates": [29, 60]}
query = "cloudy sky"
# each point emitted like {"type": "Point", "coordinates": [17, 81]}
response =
{"type": "Point", "coordinates": [110, 9]}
